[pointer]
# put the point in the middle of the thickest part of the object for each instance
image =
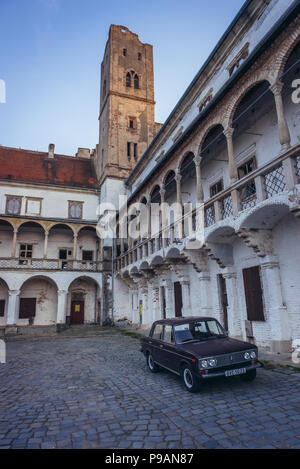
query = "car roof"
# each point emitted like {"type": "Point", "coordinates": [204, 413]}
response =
{"type": "Point", "coordinates": [177, 321]}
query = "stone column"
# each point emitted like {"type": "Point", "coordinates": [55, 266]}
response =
{"type": "Point", "coordinates": [75, 238]}
{"type": "Point", "coordinates": [46, 244]}
{"type": "Point", "coordinates": [14, 244]}
{"type": "Point", "coordinates": [283, 130]}
{"type": "Point", "coordinates": [155, 306]}
{"type": "Point", "coordinates": [200, 196]}
{"type": "Point", "coordinates": [233, 308]}
{"type": "Point", "coordinates": [169, 292]}
{"type": "Point", "coordinates": [61, 306]}
{"type": "Point", "coordinates": [205, 293]}
{"type": "Point", "coordinates": [276, 312]}
{"type": "Point", "coordinates": [186, 299]}
{"type": "Point", "coordinates": [178, 230]}
{"type": "Point", "coordinates": [13, 307]}
{"type": "Point", "coordinates": [233, 174]}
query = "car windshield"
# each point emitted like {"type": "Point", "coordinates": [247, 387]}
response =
{"type": "Point", "coordinates": [198, 331]}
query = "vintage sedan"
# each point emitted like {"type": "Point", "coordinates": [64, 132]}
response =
{"type": "Point", "coordinates": [198, 348]}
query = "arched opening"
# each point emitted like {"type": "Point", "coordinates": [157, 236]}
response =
{"type": "Point", "coordinates": [290, 97]}
{"type": "Point", "coordinates": [62, 245]}
{"type": "Point", "coordinates": [6, 241]}
{"type": "Point", "coordinates": [214, 164]}
{"type": "Point", "coordinates": [156, 219]}
{"type": "Point", "coordinates": [88, 247]}
{"type": "Point", "coordinates": [3, 301]}
{"type": "Point", "coordinates": [38, 302]}
{"type": "Point", "coordinates": [188, 179]}
{"type": "Point", "coordinates": [30, 242]}
{"type": "Point", "coordinates": [253, 134]}
{"type": "Point", "coordinates": [84, 302]}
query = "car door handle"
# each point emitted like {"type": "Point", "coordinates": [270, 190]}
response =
{"type": "Point", "coordinates": [161, 346]}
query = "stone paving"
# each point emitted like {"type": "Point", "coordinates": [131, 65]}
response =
{"type": "Point", "coordinates": [96, 392]}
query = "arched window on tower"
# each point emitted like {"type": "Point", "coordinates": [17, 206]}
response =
{"type": "Point", "coordinates": [136, 82]}
{"type": "Point", "coordinates": [132, 76]}
{"type": "Point", "coordinates": [104, 89]}
{"type": "Point", "coordinates": [128, 80]}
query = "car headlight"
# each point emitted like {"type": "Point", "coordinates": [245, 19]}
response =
{"type": "Point", "coordinates": [204, 364]}
{"type": "Point", "coordinates": [247, 355]}
{"type": "Point", "coordinates": [253, 354]}
{"type": "Point", "coordinates": [212, 362]}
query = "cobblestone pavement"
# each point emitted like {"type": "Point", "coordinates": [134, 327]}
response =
{"type": "Point", "coordinates": [96, 392]}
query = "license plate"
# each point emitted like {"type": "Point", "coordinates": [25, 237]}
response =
{"type": "Point", "coordinates": [239, 371]}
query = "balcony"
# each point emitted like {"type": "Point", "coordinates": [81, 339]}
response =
{"type": "Point", "coordinates": [13, 263]}
{"type": "Point", "coordinates": [280, 175]}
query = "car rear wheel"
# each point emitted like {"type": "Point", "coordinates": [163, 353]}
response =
{"type": "Point", "coordinates": [249, 376]}
{"type": "Point", "coordinates": [190, 381]}
{"type": "Point", "coordinates": [151, 364]}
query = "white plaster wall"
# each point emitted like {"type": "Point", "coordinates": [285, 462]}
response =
{"type": "Point", "coordinates": [46, 301]}
{"type": "Point", "coordinates": [55, 201]}
{"type": "Point", "coordinates": [6, 238]}
{"type": "Point", "coordinates": [122, 301]}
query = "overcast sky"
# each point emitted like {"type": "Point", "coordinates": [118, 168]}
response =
{"type": "Point", "coordinates": [51, 50]}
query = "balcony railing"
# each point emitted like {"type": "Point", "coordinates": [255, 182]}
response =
{"type": "Point", "coordinates": [263, 183]}
{"type": "Point", "coordinates": [7, 263]}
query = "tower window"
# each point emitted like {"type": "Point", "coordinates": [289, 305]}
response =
{"type": "Point", "coordinates": [132, 123]}
{"type": "Point", "coordinates": [132, 76]}
{"type": "Point", "coordinates": [129, 149]}
{"type": "Point", "coordinates": [104, 88]}
{"type": "Point", "coordinates": [135, 150]}
{"type": "Point", "coordinates": [139, 56]}
{"type": "Point", "coordinates": [124, 52]}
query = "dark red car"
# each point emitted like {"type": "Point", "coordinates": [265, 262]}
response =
{"type": "Point", "coordinates": [198, 348]}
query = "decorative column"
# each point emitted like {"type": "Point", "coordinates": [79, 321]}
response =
{"type": "Point", "coordinates": [155, 301]}
{"type": "Point", "coordinates": [178, 230]}
{"type": "Point", "coordinates": [46, 244]}
{"type": "Point", "coordinates": [186, 299]}
{"type": "Point", "coordinates": [163, 217]}
{"type": "Point", "coordinates": [13, 307]}
{"type": "Point", "coordinates": [61, 306]}
{"type": "Point", "coordinates": [200, 196]}
{"type": "Point", "coordinates": [205, 293]}
{"type": "Point", "coordinates": [169, 292]}
{"type": "Point", "coordinates": [233, 174]}
{"type": "Point", "coordinates": [233, 308]}
{"type": "Point", "coordinates": [75, 238]}
{"type": "Point", "coordinates": [14, 244]}
{"type": "Point", "coordinates": [283, 130]}
{"type": "Point", "coordinates": [276, 312]}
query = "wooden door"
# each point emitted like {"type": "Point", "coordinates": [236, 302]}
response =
{"type": "Point", "coordinates": [224, 300]}
{"type": "Point", "coordinates": [178, 299]}
{"type": "Point", "coordinates": [77, 312]}
{"type": "Point", "coordinates": [253, 294]}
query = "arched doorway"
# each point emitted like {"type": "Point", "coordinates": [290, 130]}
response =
{"type": "Point", "coordinates": [84, 301]}
{"type": "Point", "coordinates": [3, 301]}
{"type": "Point", "coordinates": [38, 302]}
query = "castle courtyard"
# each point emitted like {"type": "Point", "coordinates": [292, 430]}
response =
{"type": "Point", "coordinates": [95, 391]}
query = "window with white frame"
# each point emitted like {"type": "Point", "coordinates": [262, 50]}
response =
{"type": "Point", "coordinates": [13, 204]}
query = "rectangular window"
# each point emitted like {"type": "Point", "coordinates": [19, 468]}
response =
{"type": "Point", "coordinates": [135, 150]}
{"type": "Point", "coordinates": [87, 255]}
{"type": "Point", "coordinates": [216, 188]}
{"type": "Point", "coordinates": [13, 205]}
{"type": "Point", "coordinates": [75, 209]}
{"type": "Point", "coordinates": [158, 332]}
{"type": "Point", "coordinates": [25, 253]}
{"type": "Point", "coordinates": [33, 206]}
{"type": "Point", "coordinates": [246, 168]}
{"type": "Point", "coordinates": [139, 56]}
{"type": "Point", "coordinates": [2, 308]}
{"type": "Point", "coordinates": [253, 294]}
{"type": "Point", "coordinates": [124, 52]}
{"type": "Point", "coordinates": [128, 149]}
{"type": "Point", "coordinates": [168, 334]}
{"type": "Point", "coordinates": [27, 308]}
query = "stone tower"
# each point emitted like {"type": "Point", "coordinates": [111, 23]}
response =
{"type": "Point", "coordinates": [126, 120]}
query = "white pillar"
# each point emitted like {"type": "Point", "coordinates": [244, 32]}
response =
{"type": "Point", "coordinates": [13, 307]}
{"type": "Point", "coordinates": [231, 162]}
{"type": "Point", "coordinates": [61, 306]}
{"type": "Point", "coordinates": [205, 294]}
{"type": "Point", "coordinates": [14, 244]}
{"type": "Point", "coordinates": [155, 306]}
{"type": "Point", "coordinates": [276, 312]}
{"type": "Point", "coordinates": [169, 292]}
{"type": "Point", "coordinates": [283, 130]}
{"type": "Point", "coordinates": [233, 308]}
{"type": "Point", "coordinates": [186, 299]}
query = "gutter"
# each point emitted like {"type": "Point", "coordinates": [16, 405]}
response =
{"type": "Point", "coordinates": [287, 17]}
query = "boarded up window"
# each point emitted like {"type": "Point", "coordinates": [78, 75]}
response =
{"type": "Point", "coordinates": [2, 308]}
{"type": "Point", "coordinates": [27, 308]}
{"type": "Point", "coordinates": [253, 294]}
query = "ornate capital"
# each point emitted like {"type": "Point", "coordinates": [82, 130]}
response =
{"type": "Point", "coordinates": [276, 88]}
{"type": "Point", "coordinates": [228, 132]}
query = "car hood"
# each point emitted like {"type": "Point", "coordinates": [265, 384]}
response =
{"type": "Point", "coordinates": [213, 347]}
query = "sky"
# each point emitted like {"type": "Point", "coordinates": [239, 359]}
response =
{"type": "Point", "coordinates": [51, 51]}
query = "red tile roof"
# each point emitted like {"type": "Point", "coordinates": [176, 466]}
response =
{"type": "Point", "coordinates": [33, 166]}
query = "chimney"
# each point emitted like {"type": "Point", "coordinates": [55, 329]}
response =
{"type": "Point", "coordinates": [83, 153]}
{"type": "Point", "coordinates": [51, 150]}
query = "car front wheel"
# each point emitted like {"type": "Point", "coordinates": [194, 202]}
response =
{"type": "Point", "coordinates": [190, 381]}
{"type": "Point", "coordinates": [151, 365]}
{"type": "Point", "coordinates": [249, 376]}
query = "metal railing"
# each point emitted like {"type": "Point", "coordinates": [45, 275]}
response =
{"type": "Point", "coordinates": [7, 263]}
